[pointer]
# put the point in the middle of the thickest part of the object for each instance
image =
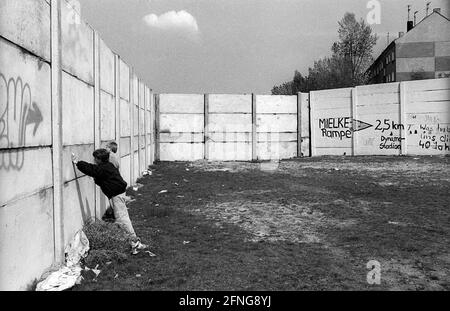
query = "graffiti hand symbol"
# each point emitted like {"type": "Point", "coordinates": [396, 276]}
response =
{"type": "Point", "coordinates": [16, 112]}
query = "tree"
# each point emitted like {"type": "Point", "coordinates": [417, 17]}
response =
{"type": "Point", "coordinates": [346, 67]}
{"type": "Point", "coordinates": [355, 47]}
{"type": "Point", "coordinates": [284, 89]}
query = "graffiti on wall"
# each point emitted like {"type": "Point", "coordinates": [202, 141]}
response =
{"type": "Point", "coordinates": [344, 127]}
{"type": "Point", "coordinates": [341, 128]}
{"type": "Point", "coordinates": [431, 134]}
{"type": "Point", "coordinates": [17, 113]}
{"type": "Point", "coordinates": [388, 139]}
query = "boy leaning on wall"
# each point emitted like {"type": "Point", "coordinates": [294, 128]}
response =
{"type": "Point", "coordinates": [112, 148]}
{"type": "Point", "coordinates": [108, 178]}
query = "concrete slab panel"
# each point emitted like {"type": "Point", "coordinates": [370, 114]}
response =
{"type": "Point", "coordinates": [327, 103]}
{"type": "Point", "coordinates": [277, 137]}
{"type": "Point", "coordinates": [428, 138]}
{"type": "Point", "coordinates": [15, 181]}
{"type": "Point", "coordinates": [429, 107]}
{"type": "Point", "coordinates": [377, 100]}
{"type": "Point", "coordinates": [383, 138]}
{"type": "Point", "coordinates": [108, 116]}
{"type": "Point", "coordinates": [77, 45]}
{"type": "Point", "coordinates": [333, 151]}
{"type": "Point", "coordinates": [277, 150]}
{"type": "Point", "coordinates": [125, 146]}
{"type": "Point", "coordinates": [429, 96]}
{"type": "Point", "coordinates": [427, 118]}
{"type": "Point", "coordinates": [181, 152]}
{"type": "Point", "coordinates": [141, 142]}
{"type": "Point", "coordinates": [150, 152]}
{"type": "Point", "coordinates": [230, 123]}
{"type": "Point", "coordinates": [374, 89]}
{"type": "Point", "coordinates": [230, 151]}
{"type": "Point", "coordinates": [26, 240]}
{"type": "Point", "coordinates": [125, 168]}
{"type": "Point", "coordinates": [78, 107]}
{"type": "Point", "coordinates": [276, 104]}
{"type": "Point", "coordinates": [143, 161]}
{"type": "Point", "coordinates": [427, 85]}
{"type": "Point", "coordinates": [79, 206]}
{"type": "Point", "coordinates": [125, 121]}
{"type": "Point", "coordinates": [107, 68]}
{"type": "Point", "coordinates": [149, 122]}
{"type": "Point", "coordinates": [230, 103]}
{"type": "Point", "coordinates": [137, 174]}
{"type": "Point", "coordinates": [376, 109]}
{"type": "Point", "coordinates": [104, 204]}
{"type": "Point", "coordinates": [135, 88]}
{"type": "Point", "coordinates": [181, 123]}
{"type": "Point", "coordinates": [141, 122]}
{"type": "Point", "coordinates": [27, 24]}
{"type": "Point", "coordinates": [335, 93]}
{"type": "Point", "coordinates": [181, 137]}
{"type": "Point", "coordinates": [136, 145]}
{"type": "Point", "coordinates": [276, 123]}
{"type": "Point", "coordinates": [181, 103]}
{"type": "Point", "coordinates": [220, 137]}
{"type": "Point", "coordinates": [84, 153]}
{"type": "Point", "coordinates": [25, 100]}
{"type": "Point", "coordinates": [135, 120]}
{"type": "Point", "coordinates": [124, 81]}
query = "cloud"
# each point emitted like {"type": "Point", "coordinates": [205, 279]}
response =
{"type": "Point", "coordinates": [173, 21]}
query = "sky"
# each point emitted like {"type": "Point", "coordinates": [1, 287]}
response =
{"type": "Point", "coordinates": [233, 46]}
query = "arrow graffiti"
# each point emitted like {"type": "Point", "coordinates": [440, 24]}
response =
{"type": "Point", "coordinates": [34, 117]}
{"type": "Point", "coordinates": [360, 125]}
{"type": "Point", "coordinates": [17, 112]}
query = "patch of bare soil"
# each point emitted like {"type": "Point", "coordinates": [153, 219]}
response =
{"type": "Point", "coordinates": [303, 224]}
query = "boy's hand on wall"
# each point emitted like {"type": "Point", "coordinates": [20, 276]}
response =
{"type": "Point", "coordinates": [74, 159]}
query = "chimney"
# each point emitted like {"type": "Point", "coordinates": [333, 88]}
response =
{"type": "Point", "coordinates": [400, 34]}
{"type": "Point", "coordinates": [437, 10]}
{"type": "Point", "coordinates": [409, 26]}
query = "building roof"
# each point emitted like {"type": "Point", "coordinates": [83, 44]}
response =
{"type": "Point", "coordinates": [434, 14]}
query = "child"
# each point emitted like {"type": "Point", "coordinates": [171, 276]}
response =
{"type": "Point", "coordinates": [107, 176]}
{"type": "Point", "coordinates": [113, 158]}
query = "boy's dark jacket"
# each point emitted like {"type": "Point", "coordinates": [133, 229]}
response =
{"type": "Point", "coordinates": [106, 175]}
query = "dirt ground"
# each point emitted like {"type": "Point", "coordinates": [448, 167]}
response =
{"type": "Point", "coordinates": [303, 224]}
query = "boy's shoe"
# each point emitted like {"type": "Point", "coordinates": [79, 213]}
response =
{"type": "Point", "coordinates": [137, 246]}
{"type": "Point", "coordinates": [109, 215]}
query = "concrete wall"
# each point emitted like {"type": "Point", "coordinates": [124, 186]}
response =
{"type": "Point", "coordinates": [407, 118]}
{"type": "Point", "coordinates": [43, 204]}
{"type": "Point", "coordinates": [232, 127]}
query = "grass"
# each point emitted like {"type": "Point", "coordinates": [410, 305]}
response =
{"type": "Point", "coordinates": [108, 244]}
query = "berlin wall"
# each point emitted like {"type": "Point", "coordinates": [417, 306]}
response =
{"type": "Point", "coordinates": [62, 91]}
{"type": "Point", "coordinates": [232, 127]}
{"type": "Point", "coordinates": [406, 118]}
